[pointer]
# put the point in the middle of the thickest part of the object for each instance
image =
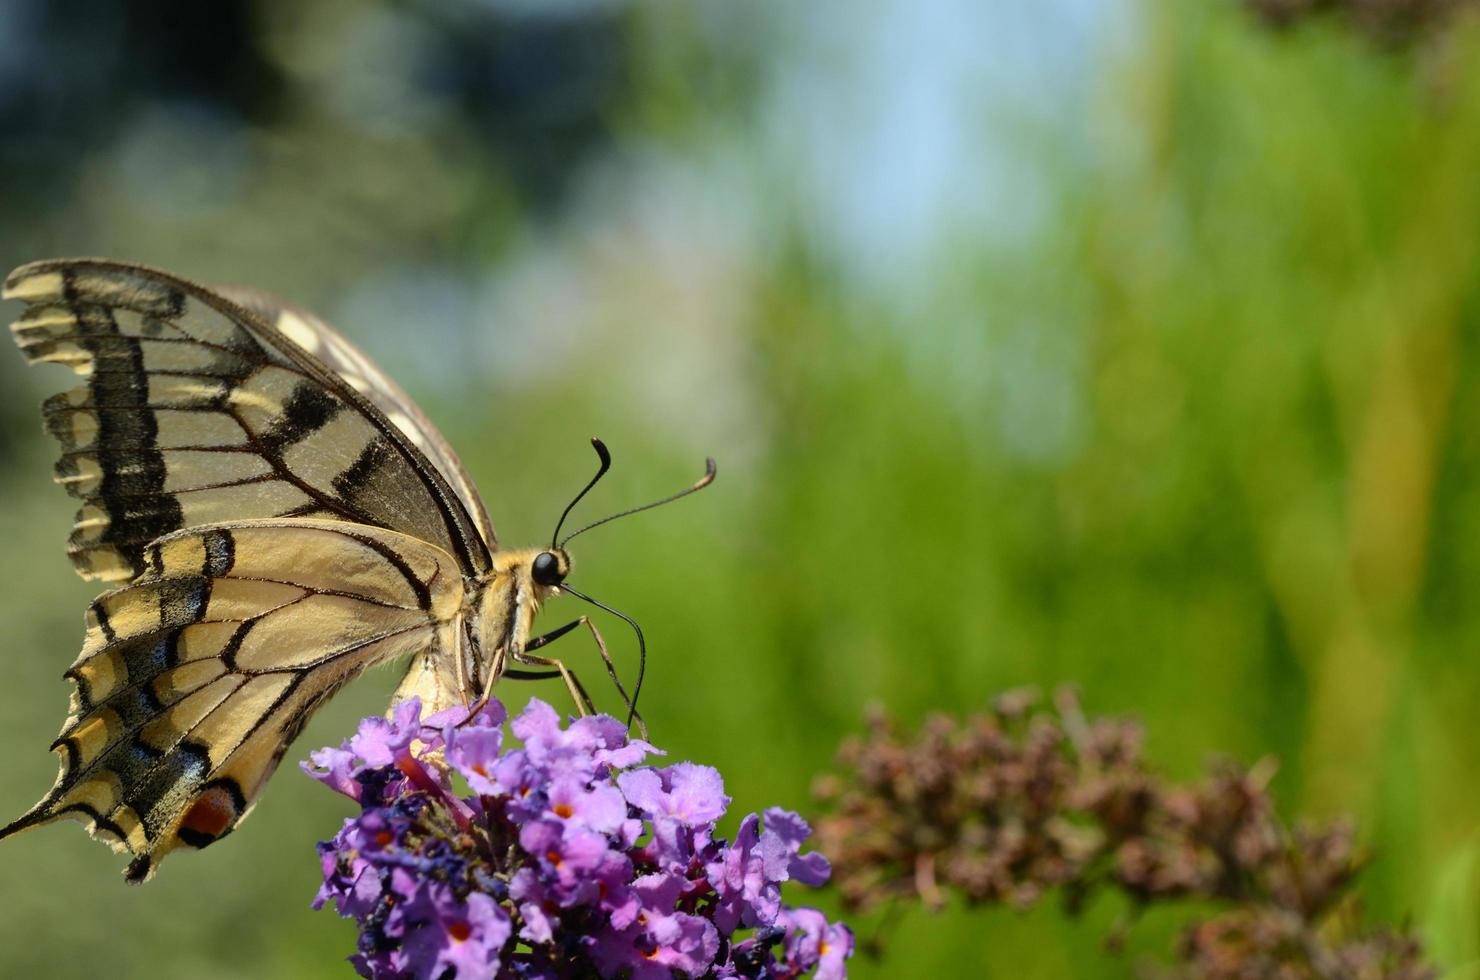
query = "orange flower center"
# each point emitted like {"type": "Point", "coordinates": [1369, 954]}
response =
{"type": "Point", "coordinates": [460, 931]}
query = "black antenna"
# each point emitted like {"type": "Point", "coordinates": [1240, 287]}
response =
{"type": "Point", "coordinates": [606, 464]}
{"type": "Point", "coordinates": [699, 484]}
{"type": "Point", "coordinates": [641, 644]}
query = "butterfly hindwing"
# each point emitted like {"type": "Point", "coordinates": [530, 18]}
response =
{"type": "Point", "coordinates": [194, 410]}
{"type": "Point", "coordinates": [194, 678]}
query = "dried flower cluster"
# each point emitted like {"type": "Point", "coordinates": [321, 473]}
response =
{"type": "Point", "coordinates": [1024, 799]}
{"type": "Point", "coordinates": [565, 858]}
{"type": "Point", "coordinates": [1385, 20]}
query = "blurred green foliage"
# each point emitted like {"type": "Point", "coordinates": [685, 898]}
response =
{"type": "Point", "coordinates": [1172, 398]}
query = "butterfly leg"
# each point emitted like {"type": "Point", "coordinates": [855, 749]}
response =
{"type": "Point", "coordinates": [535, 644]}
{"type": "Point", "coordinates": [547, 638]}
{"type": "Point", "coordinates": [606, 658]}
{"type": "Point", "coordinates": [518, 675]}
{"type": "Point", "coordinates": [611, 670]}
{"type": "Point", "coordinates": [572, 683]}
{"type": "Point", "coordinates": [564, 672]}
{"type": "Point", "coordinates": [577, 690]}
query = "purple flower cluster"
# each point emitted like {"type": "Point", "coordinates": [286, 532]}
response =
{"type": "Point", "coordinates": [564, 858]}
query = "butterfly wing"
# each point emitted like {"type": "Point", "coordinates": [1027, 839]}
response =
{"type": "Point", "coordinates": [194, 678]}
{"type": "Point", "coordinates": [341, 356]}
{"type": "Point", "coordinates": [195, 410]}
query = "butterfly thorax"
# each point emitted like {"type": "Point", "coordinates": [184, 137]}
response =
{"type": "Point", "coordinates": [505, 606]}
{"type": "Point", "coordinates": [494, 628]}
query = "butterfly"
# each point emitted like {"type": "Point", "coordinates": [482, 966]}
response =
{"type": "Point", "coordinates": [281, 517]}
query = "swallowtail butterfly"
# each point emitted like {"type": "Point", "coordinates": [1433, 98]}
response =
{"type": "Point", "coordinates": [279, 516]}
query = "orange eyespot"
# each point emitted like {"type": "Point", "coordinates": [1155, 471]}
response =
{"type": "Point", "coordinates": [208, 817]}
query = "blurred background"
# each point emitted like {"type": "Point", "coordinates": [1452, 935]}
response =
{"type": "Point", "coordinates": [1128, 344]}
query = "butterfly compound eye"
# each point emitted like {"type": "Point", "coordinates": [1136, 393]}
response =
{"type": "Point", "coordinates": [546, 569]}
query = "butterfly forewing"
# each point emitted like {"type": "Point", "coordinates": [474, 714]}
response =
{"type": "Point", "coordinates": [338, 354]}
{"type": "Point", "coordinates": [194, 678]}
{"type": "Point", "coordinates": [194, 410]}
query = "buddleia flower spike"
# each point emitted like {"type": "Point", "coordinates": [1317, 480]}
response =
{"type": "Point", "coordinates": [563, 856]}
